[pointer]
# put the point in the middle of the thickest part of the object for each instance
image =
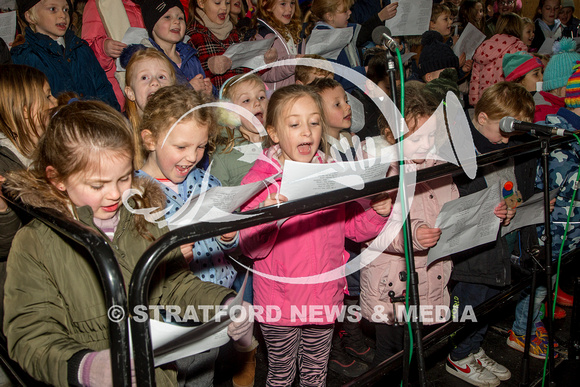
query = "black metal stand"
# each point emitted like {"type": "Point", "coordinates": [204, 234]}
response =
{"type": "Point", "coordinates": [574, 343]}
{"type": "Point", "coordinates": [544, 146]}
{"type": "Point", "coordinates": [412, 275]}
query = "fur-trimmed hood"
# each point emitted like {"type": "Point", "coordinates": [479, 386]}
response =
{"type": "Point", "coordinates": [37, 192]}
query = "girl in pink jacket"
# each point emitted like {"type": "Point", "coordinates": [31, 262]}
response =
{"type": "Point", "coordinates": [383, 274]}
{"type": "Point", "coordinates": [487, 61]}
{"type": "Point", "coordinates": [294, 258]}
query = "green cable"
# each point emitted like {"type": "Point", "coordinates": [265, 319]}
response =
{"type": "Point", "coordinates": [403, 202]}
{"type": "Point", "coordinates": [560, 258]}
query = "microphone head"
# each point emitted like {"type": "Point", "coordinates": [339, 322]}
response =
{"type": "Point", "coordinates": [506, 124]}
{"type": "Point", "coordinates": [378, 34]}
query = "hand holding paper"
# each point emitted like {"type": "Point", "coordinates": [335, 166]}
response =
{"type": "Point", "coordinates": [428, 237]}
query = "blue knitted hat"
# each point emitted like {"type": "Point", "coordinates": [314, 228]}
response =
{"type": "Point", "coordinates": [561, 65]}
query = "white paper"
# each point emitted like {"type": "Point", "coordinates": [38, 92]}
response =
{"type": "Point", "coordinates": [171, 342]}
{"type": "Point", "coordinates": [301, 180]}
{"type": "Point", "coordinates": [529, 212]}
{"type": "Point", "coordinates": [547, 46]}
{"type": "Point", "coordinates": [468, 42]}
{"type": "Point", "coordinates": [213, 204]}
{"type": "Point", "coordinates": [357, 113]}
{"type": "Point", "coordinates": [328, 43]}
{"type": "Point", "coordinates": [467, 222]}
{"type": "Point", "coordinates": [8, 27]}
{"type": "Point", "coordinates": [249, 54]}
{"type": "Point", "coordinates": [412, 18]}
{"type": "Point", "coordinates": [7, 5]}
{"type": "Point", "coordinates": [134, 35]}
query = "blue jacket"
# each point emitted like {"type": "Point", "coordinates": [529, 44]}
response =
{"type": "Point", "coordinates": [209, 262]}
{"type": "Point", "coordinates": [74, 69]}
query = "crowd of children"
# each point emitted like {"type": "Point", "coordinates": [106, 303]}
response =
{"type": "Point", "coordinates": [137, 116]}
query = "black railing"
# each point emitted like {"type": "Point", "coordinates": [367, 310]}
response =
{"type": "Point", "coordinates": [138, 287]}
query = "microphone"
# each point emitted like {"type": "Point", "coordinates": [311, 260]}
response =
{"type": "Point", "coordinates": [382, 35]}
{"type": "Point", "coordinates": [510, 124]}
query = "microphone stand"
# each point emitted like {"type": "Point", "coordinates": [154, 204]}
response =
{"type": "Point", "coordinates": [547, 237]}
{"type": "Point", "coordinates": [412, 275]}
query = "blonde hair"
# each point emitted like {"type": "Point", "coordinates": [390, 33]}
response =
{"type": "Point", "coordinates": [22, 92]}
{"type": "Point", "coordinates": [510, 24]}
{"type": "Point", "coordinates": [141, 55]}
{"type": "Point", "coordinates": [290, 30]}
{"type": "Point", "coordinates": [437, 10]}
{"type": "Point", "coordinates": [319, 8]}
{"type": "Point", "coordinates": [228, 91]}
{"type": "Point", "coordinates": [282, 100]}
{"type": "Point", "coordinates": [506, 99]}
{"type": "Point", "coordinates": [168, 105]}
{"type": "Point", "coordinates": [302, 72]}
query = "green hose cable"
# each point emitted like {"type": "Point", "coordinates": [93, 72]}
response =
{"type": "Point", "coordinates": [403, 196]}
{"type": "Point", "coordinates": [560, 258]}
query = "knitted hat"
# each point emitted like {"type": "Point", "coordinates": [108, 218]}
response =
{"type": "Point", "coordinates": [573, 88]}
{"type": "Point", "coordinates": [560, 66]}
{"type": "Point", "coordinates": [435, 54]}
{"type": "Point", "coordinates": [519, 64]}
{"type": "Point", "coordinates": [25, 5]}
{"type": "Point", "coordinates": [567, 3]}
{"type": "Point", "coordinates": [447, 81]}
{"type": "Point", "coordinates": [153, 10]}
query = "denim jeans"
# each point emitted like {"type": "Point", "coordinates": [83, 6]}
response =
{"type": "Point", "coordinates": [519, 326]}
{"type": "Point", "coordinates": [249, 290]}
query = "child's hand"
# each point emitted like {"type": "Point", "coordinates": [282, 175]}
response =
{"type": "Point", "coordinates": [382, 204]}
{"type": "Point", "coordinates": [455, 39]}
{"type": "Point", "coordinates": [552, 204]}
{"type": "Point", "coordinates": [226, 238]}
{"type": "Point", "coordinates": [198, 83]}
{"type": "Point", "coordinates": [462, 60]}
{"type": "Point", "coordinates": [274, 198]}
{"type": "Point", "coordinates": [187, 251]}
{"type": "Point", "coordinates": [271, 55]}
{"type": "Point", "coordinates": [428, 236]}
{"type": "Point", "coordinates": [113, 48]}
{"type": "Point", "coordinates": [500, 210]}
{"type": "Point", "coordinates": [219, 64]}
{"type": "Point", "coordinates": [388, 12]}
{"type": "Point", "coordinates": [207, 86]}
{"type": "Point", "coordinates": [467, 66]}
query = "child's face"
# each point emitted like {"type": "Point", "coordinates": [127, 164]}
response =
{"type": "Point", "coordinates": [490, 129]}
{"type": "Point", "coordinates": [50, 17]}
{"type": "Point", "coordinates": [251, 96]}
{"type": "Point", "coordinates": [148, 77]}
{"type": "Point", "coordinates": [506, 6]}
{"type": "Point", "coordinates": [102, 188]}
{"type": "Point", "coordinates": [299, 131]}
{"type": "Point", "coordinates": [236, 7]}
{"type": "Point", "coordinates": [528, 34]}
{"type": "Point", "coordinates": [565, 15]}
{"type": "Point", "coordinates": [283, 10]}
{"type": "Point", "coordinates": [337, 111]}
{"type": "Point", "coordinates": [420, 142]}
{"type": "Point", "coordinates": [442, 24]}
{"type": "Point", "coordinates": [478, 12]}
{"type": "Point", "coordinates": [40, 108]}
{"type": "Point", "coordinates": [174, 154]}
{"type": "Point", "coordinates": [550, 11]}
{"type": "Point", "coordinates": [529, 81]}
{"type": "Point", "coordinates": [171, 27]}
{"type": "Point", "coordinates": [338, 19]}
{"type": "Point", "coordinates": [216, 10]}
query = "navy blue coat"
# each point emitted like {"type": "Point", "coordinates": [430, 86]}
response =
{"type": "Point", "coordinates": [74, 69]}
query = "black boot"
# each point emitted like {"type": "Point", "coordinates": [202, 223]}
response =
{"type": "Point", "coordinates": [353, 338]}
{"type": "Point", "coordinates": [341, 363]}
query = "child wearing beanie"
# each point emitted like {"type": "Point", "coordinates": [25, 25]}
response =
{"type": "Point", "coordinates": [435, 56]}
{"type": "Point", "coordinates": [165, 23]}
{"type": "Point", "coordinates": [524, 69]}
{"type": "Point", "coordinates": [556, 75]}
{"type": "Point", "coordinates": [52, 47]}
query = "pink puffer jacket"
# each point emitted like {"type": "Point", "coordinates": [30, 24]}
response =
{"type": "Point", "coordinates": [487, 63]}
{"type": "Point", "coordinates": [382, 275]}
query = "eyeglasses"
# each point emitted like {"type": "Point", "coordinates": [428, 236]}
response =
{"type": "Point", "coordinates": [506, 2]}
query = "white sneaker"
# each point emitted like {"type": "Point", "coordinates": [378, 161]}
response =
{"type": "Point", "coordinates": [497, 369]}
{"type": "Point", "coordinates": [472, 372]}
